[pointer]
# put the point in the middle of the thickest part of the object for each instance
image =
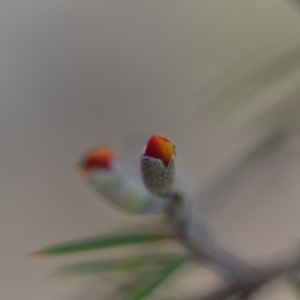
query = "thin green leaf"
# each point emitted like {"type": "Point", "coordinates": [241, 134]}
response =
{"type": "Point", "coordinates": [232, 89]}
{"type": "Point", "coordinates": [295, 285]}
{"type": "Point", "coordinates": [130, 286]}
{"type": "Point", "coordinates": [98, 243]}
{"type": "Point", "coordinates": [149, 286]}
{"type": "Point", "coordinates": [112, 267]}
{"type": "Point", "coordinates": [283, 115]}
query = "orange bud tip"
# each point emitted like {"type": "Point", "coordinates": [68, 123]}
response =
{"type": "Point", "coordinates": [161, 148]}
{"type": "Point", "coordinates": [34, 255]}
{"type": "Point", "coordinates": [98, 158]}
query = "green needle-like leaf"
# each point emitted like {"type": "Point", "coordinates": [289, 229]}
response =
{"type": "Point", "coordinates": [150, 285]}
{"type": "Point", "coordinates": [112, 267]}
{"type": "Point", "coordinates": [248, 78]}
{"type": "Point", "coordinates": [97, 243]}
{"type": "Point", "coordinates": [296, 285]}
{"type": "Point", "coordinates": [129, 287]}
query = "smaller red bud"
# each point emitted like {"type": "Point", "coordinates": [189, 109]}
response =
{"type": "Point", "coordinates": [99, 158]}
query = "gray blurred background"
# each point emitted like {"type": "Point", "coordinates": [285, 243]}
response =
{"type": "Point", "coordinates": [77, 73]}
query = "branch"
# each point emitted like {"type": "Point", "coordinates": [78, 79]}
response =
{"type": "Point", "coordinates": [287, 266]}
{"type": "Point", "coordinates": [195, 233]}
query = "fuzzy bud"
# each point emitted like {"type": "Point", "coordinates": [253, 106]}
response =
{"type": "Point", "coordinates": [158, 165]}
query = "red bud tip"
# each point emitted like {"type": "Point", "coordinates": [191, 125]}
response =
{"type": "Point", "coordinates": [98, 158]}
{"type": "Point", "coordinates": [160, 148]}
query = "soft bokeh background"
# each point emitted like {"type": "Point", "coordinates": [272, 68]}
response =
{"type": "Point", "coordinates": [76, 73]}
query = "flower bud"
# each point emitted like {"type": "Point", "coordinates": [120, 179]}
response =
{"type": "Point", "coordinates": [98, 159]}
{"type": "Point", "coordinates": [158, 165]}
{"type": "Point", "coordinates": [111, 180]}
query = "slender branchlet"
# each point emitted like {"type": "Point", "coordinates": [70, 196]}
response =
{"type": "Point", "coordinates": [188, 221]}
